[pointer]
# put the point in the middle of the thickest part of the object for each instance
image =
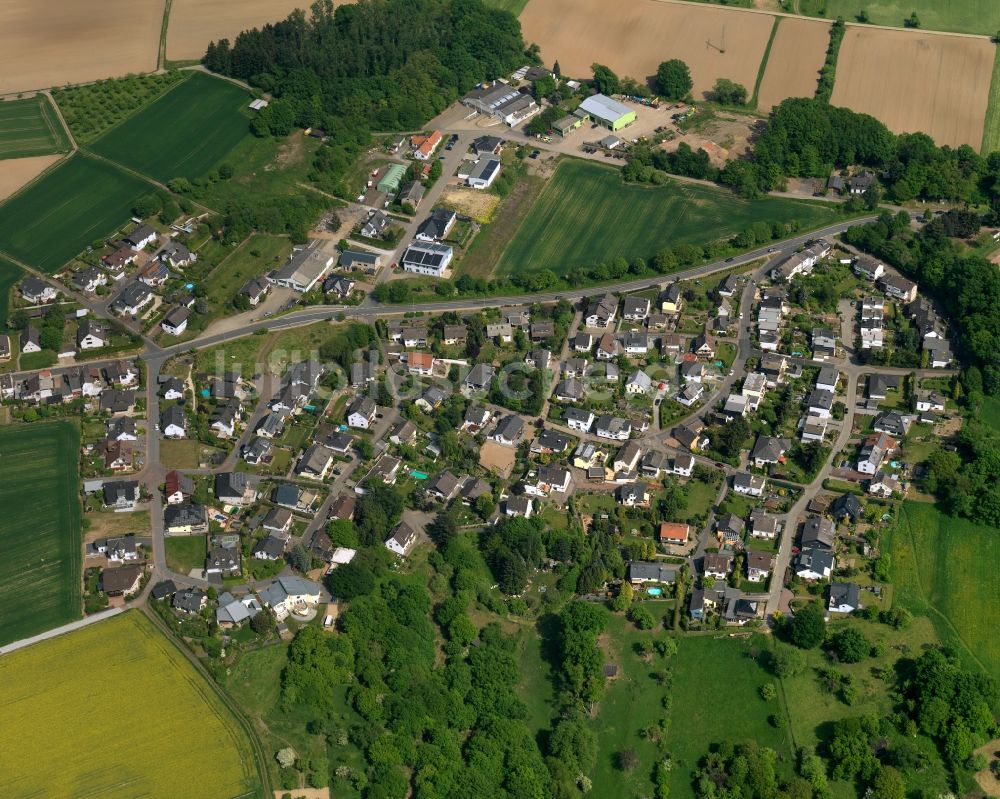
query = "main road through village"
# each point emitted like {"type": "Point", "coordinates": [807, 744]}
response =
{"type": "Point", "coordinates": [153, 473]}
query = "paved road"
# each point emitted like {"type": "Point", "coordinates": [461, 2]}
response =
{"type": "Point", "coordinates": [66, 628]}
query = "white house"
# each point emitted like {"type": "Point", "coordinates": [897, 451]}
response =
{"type": "Point", "coordinates": [402, 540]}
{"type": "Point", "coordinates": [361, 413]}
{"type": "Point", "coordinates": [581, 420]}
{"type": "Point", "coordinates": [482, 173]}
{"type": "Point", "coordinates": [176, 320]}
{"type": "Point", "coordinates": [750, 485]}
{"type": "Point", "coordinates": [427, 258]}
{"type": "Point", "coordinates": [614, 428]}
{"type": "Point", "coordinates": [91, 336]}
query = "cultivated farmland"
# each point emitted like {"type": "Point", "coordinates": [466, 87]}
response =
{"type": "Point", "coordinates": [183, 133]}
{"type": "Point", "coordinates": [917, 82]}
{"type": "Point", "coordinates": [190, 745]}
{"type": "Point", "coordinates": [67, 41]}
{"type": "Point", "coordinates": [195, 23]}
{"type": "Point", "coordinates": [634, 36]}
{"type": "Point", "coordinates": [18, 172]}
{"type": "Point", "coordinates": [962, 16]}
{"type": "Point", "coordinates": [586, 215]}
{"type": "Point", "coordinates": [81, 200]}
{"type": "Point", "coordinates": [40, 579]}
{"type": "Point", "coordinates": [945, 568]}
{"type": "Point", "coordinates": [30, 127]}
{"type": "Point", "coordinates": [793, 65]}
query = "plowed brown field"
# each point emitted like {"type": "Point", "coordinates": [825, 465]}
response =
{"type": "Point", "coordinates": [15, 172]}
{"type": "Point", "coordinates": [195, 23]}
{"type": "Point", "coordinates": [797, 54]}
{"type": "Point", "coordinates": [916, 81]}
{"type": "Point", "coordinates": [69, 41]}
{"type": "Point", "coordinates": [634, 36]}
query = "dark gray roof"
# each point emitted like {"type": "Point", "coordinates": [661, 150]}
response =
{"type": "Point", "coordinates": [646, 571]}
{"type": "Point", "coordinates": [845, 594]}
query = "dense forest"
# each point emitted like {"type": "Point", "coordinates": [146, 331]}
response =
{"type": "Point", "coordinates": [381, 65]}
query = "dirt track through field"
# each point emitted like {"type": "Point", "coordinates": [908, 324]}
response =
{"type": "Point", "coordinates": [634, 36]}
{"type": "Point", "coordinates": [917, 82]}
{"type": "Point", "coordinates": [15, 172]}
{"type": "Point", "coordinates": [195, 23]}
{"type": "Point", "coordinates": [797, 53]}
{"type": "Point", "coordinates": [69, 41]}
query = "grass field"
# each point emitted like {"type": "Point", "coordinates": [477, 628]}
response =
{"type": "Point", "coordinates": [185, 552]}
{"type": "Point", "coordinates": [30, 127]}
{"type": "Point", "coordinates": [183, 133]}
{"type": "Point", "coordinates": [990, 412]}
{"type": "Point", "coordinates": [9, 275]}
{"type": "Point", "coordinates": [962, 16]}
{"type": "Point", "coordinates": [945, 568]}
{"type": "Point", "coordinates": [991, 127]}
{"type": "Point", "coordinates": [78, 202]}
{"type": "Point", "coordinates": [183, 453]}
{"type": "Point", "coordinates": [256, 256]}
{"type": "Point", "coordinates": [715, 698]}
{"type": "Point", "coordinates": [704, 667]}
{"type": "Point", "coordinates": [40, 579]}
{"type": "Point", "coordinates": [198, 749]}
{"type": "Point", "coordinates": [586, 215]}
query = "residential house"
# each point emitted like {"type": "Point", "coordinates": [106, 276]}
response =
{"type": "Point", "coordinates": [233, 612]}
{"type": "Point", "coordinates": [444, 486]}
{"type": "Point", "coordinates": [540, 331]}
{"type": "Point", "coordinates": [882, 485]}
{"type": "Point", "coordinates": [139, 238]}
{"type": "Point", "coordinates": [759, 566]}
{"type": "Point", "coordinates": [509, 431]}
{"type": "Point", "coordinates": [550, 442]}
{"type": "Point", "coordinates": [674, 533]}
{"type": "Point", "coordinates": [814, 564]}
{"type": "Point", "coordinates": [638, 383]}
{"type": "Point", "coordinates": [636, 343]}
{"type": "Point", "coordinates": [820, 403]}
{"type": "Point", "coordinates": [452, 335]}
{"type": "Point", "coordinates": [579, 419]}
{"type": "Point", "coordinates": [763, 525]}
{"type": "Point", "coordinates": [633, 495]}
{"type": "Point", "coordinates": [868, 268]}
{"type": "Point", "coordinates": [769, 450]}
{"type": "Point", "coordinates": [635, 309]}
{"type": "Point", "coordinates": [893, 423]}
{"type": "Point", "coordinates": [476, 417]}
{"type": "Point", "coordinates": [304, 268]}
{"type": "Point", "coordinates": [89, 279]}
{"type": "Point", "coordinates": [176, 255]}
{"type": "Point", "coordinates": [123, 581]}
{"type": "Point", "coordinates": [30, 340]}
{"type": "Point", "coordinates": [255, 290]}
{"type": "Point", "coordinates": [717, 565]}
{"type": "Point", "coordinates": [607, 348]}
{"type": "Point", "coordinates": [403, 432]}
{"type": "Point", "coordinates": [122, 428]}
{"type": "Point", "coordinates": [120, 495]}
{"type": "Point", "coordinates": [234, 488]}
{"type": "Point", "coordinates": [289, 595]}
{"type": "Point", "coordinates": [519, 505]}
{"type": "Point", "coordinates": [173, 422]}
{"type": "Point", "coordinates": [184, 518]}
{"type": "Point", "coordinates": [221, 560]}
{"type": "Point", "coordinates": [316, 462]}
{"type": "Point", "coordinates": [132, 300]}
{"type": "Point", "coordinates": [929, 401]}
{"type": "Point", "coordinates": [538, 359]}
{"type": "Point", "coordinates": [189, 600]}
{"type": "Point", "coordinates": [601, 313]}
{"type": "Point", "coordinates": [437, 226]}
{"type": "Point", "coordinates": [420, 363]}
{"type": "Point", "coordinates": [613, 428]}
{"type": "Point", "coordinates": [627, 459]}
{"type": "Point", "coordinates": [683, 465]}
{"type": "Point", "coordinates": [480, 377]}
{"type": "Point", "coordinates": [671, 300]}
{"type": "Point", "coordinates": [176, 320]}
{"type": "Point", "coordinates": [402, 539]}
{"type": "Point", "coordinates": [843, 597]}
{"type": "Point", "coordinates": [37, 292]}
{"type": "Point", "coordinates": [154, 274]}
{"type": "Point", "coordinates": [427, 258]}
{"type": "Point", "coordinates": [583, 341]}
{"type": "Point", "coordinates": [751, 485]}
{"type": "Point", "coordinates": [278, 522]}
{"type": "Point", "coordinates": [730, 528]}
{"type": "Point", "coordinates": [91, 335]}
{"type": "Point", "coordinates": [818, 533]}
{"type": "Point", "coordinates": [898, 288]}
{"type": "Point", "coordinates": [828, 378]}
{"type": "Point", "coordinates": [874, 450]}
{"type": "Point", "coordinates": [361, 413]}
{"type": "Point", "coordinates": [824, 343]}
{"type": "Point", "coordinates": [177, 488]}
{"type": "Point", "coordinates": [846, 507]}
{"type": "Point", "coordinates": [704, 346]}
{"type": "Point", "coordinates": [642, 572]}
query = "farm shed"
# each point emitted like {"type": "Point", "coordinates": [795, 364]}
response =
{"type": "Point", "coordinates": [607, 112]}
{"type": "Point", "coordinates": [392, 179]}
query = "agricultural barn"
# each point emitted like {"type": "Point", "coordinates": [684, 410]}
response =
{"type": "Point", "coordinates": [427, 259]}
{"type": "Point", "coordinates": [605, 111]}
{"type": "Point", "coordinates": [392, 179]}
{"type": "Point", "coordinates": [502, 101]}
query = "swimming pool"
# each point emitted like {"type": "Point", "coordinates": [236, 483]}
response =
{"type": "Point", "coordinates": [654, 591]}
{"type": "Point", "coordinates": [419, 475]}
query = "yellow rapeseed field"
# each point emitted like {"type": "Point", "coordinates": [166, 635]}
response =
{"type": "Point", "coordinates": [115, 711]}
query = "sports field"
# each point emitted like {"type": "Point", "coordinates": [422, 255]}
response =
{"type": "Point", "coordinates": [40, 578]}
{"type": "Point", "coordinates": [79, 201]}
{"type": "Point", "coordinates": [183, 133]}
{"type": "Point", "coordinates": [30, 127]}
{"type": "Point", "coordinates": [123, 714]}
{"type": "Point", "coordinates": [946, 568]}
{"type": "Point", "coordinates": [9, 275]}
{"type": "Point", "coordinates": [928, 82]}
{"type": "Point", "coordinates": [962, 16]}
{"type": "Point", "coordinates": [587, 214]}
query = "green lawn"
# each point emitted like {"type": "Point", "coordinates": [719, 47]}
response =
{"type": "Point", "coordinates": [40, 578]}
{"type": "Point", "coordinates": [716, 698]}
{"type": "Point", "coordinates": [946, 568]}
{"type": "Point", "coordinates": [587, 214]}
{"type": "Point", "coordinates": [699, 498]}
{"type": "Point", "coordinates": [185, 552]}
{"type": "Point", "coordinates": [962, 16]}
{"type": "Point", "coordinates": [78, 202]}
{"type": "Point", "coordinates": [30, 127]}
{"type": "Point", "coordinates": [9, 275]}
{"type": "Point", "coordinates": [183, 133]}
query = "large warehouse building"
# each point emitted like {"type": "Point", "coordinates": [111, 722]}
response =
{"type": "Point", "coordinates": [605, 111]}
